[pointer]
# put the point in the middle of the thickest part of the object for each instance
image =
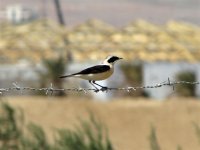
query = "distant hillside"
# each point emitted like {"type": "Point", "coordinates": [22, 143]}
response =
{"type": "Point", "coordinates": [139, 40]}
{"type": "Point", "coordinates": [117, 12]}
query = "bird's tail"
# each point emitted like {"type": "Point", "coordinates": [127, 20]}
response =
{"type": "Point", "coordinates": [67, 76]}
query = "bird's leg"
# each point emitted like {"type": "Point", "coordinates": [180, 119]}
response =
{"type": "Point", "coordinates": [103, 88]}
{"type": "Point", "coordinates": [97, 90]}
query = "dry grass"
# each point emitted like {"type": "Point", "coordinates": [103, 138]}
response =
{"type": "Point", "coordinates": [128, 121]}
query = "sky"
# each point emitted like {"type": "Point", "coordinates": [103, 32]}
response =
{"type": "Point", "coordinates": [116, 12]}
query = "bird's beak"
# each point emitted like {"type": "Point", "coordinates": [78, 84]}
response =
{"type": "Point", "coordinates": [120, 58]}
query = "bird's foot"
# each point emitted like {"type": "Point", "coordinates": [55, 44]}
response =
{"type": "Point", "coordinates": [104, 89]}
{"type": "Point", "coordinates": [96, 90]}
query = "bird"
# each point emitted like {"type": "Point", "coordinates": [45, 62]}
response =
{"type": "Point", "coordinates": [97, 72]}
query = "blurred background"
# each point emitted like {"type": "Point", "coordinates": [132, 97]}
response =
{"type": "Point", "coordinates": [158, 39]}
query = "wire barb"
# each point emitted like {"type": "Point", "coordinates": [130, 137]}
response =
{"type": "Point", "coordinates": [171, 84]}
{"type": "Point", "coordinates": [17, 87]}
{"type": "Point", "coordinates": [50, 89]}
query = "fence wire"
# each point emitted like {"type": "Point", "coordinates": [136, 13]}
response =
{"type": "Point", "coordinates": [50, 90]}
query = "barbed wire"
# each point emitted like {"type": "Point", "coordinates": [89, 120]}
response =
{"type": "Point", "coordinates": [50, 90]}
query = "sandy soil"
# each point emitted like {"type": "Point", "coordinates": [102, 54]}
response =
{"type": "Point", "coordinates": [129, 122]}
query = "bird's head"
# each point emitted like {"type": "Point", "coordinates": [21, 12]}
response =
{"type": "Point", "coordinates": [110, 60]}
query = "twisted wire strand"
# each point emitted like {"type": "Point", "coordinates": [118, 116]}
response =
{"type": "Point", "coordinates": [51, 89]}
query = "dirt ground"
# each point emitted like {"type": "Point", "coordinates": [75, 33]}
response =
{"type": "Point", "coordinates": [128, 121]}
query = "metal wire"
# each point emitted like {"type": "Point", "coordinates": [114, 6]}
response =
{"type": "Point", "coordinates": [50, 90]}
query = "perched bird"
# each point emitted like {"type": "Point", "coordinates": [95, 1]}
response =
{"type": "Point", "coordinates": [97, 73]}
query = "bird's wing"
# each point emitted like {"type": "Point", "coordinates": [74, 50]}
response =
{"type": "Point", "coordinates": [91, 70]}
{"type": "Point", "coordinates": [95, 69]}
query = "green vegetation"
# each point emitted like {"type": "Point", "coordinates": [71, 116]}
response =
{"type": "Point", "coordinates": [197, 131]}
{"type": "Point", "coordinates": [90, 136]}
{"type": "Point", "coordinates": [133, 74]}
{"type": "Point", "coordinates": [153, 139]}
{"type": "Point", "coordinates": [37, 139]}
{"type": "Point", "coordinates": [55, 68]}
{"type": "Point", "coordinates": [186, 89]}
{"type": "Point", "coordinates": [179, 147]}
{"type": "Point", "coordinates": [10, 132]}
{"type": "Point", "coordinates": [14, 135]}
